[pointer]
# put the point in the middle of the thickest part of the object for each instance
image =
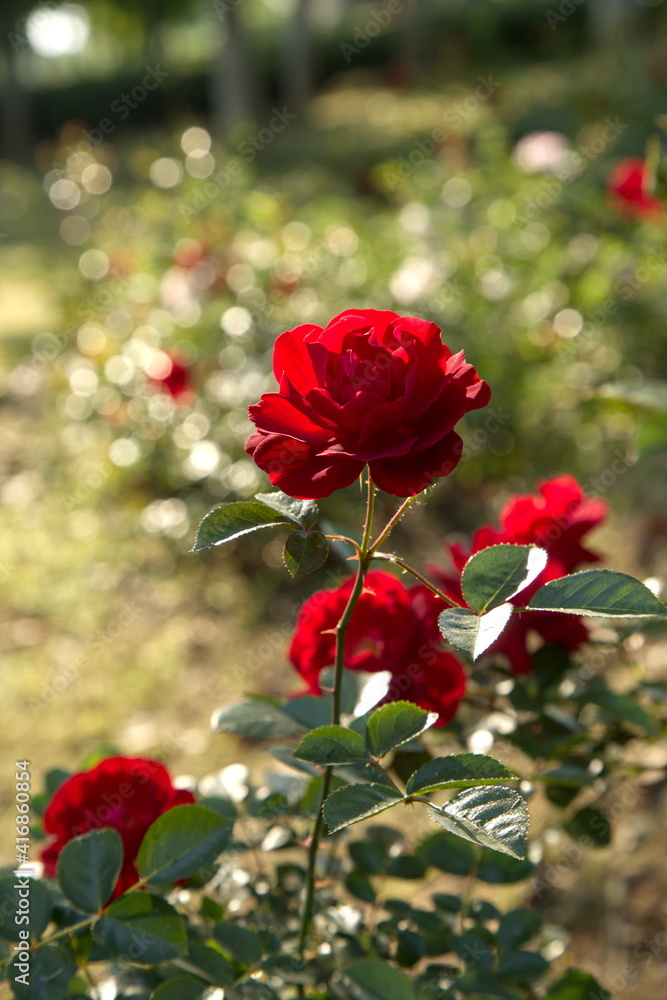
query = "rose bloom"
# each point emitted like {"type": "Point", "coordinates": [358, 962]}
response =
{"type": "Point", "coordinates": [393, 628]}
{"type": "Point", "coordinates": [628, 182]}
{"type": "Point", "coordinates": [371, 388]}
{"type": "Point", "coordinates": [124, 793]}
{"type": "Point", "coordinates": [556, 519]}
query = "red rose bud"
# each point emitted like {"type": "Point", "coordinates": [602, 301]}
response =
{"type": "Point", "coordinates": [392, 628]}
{"type": "Point", "coordinates": [556, 519]}
{"type": "Point", "coordinates": [124, 793]}
{"type": "Point", "coordinates": [628, 182]}
{"type": "Point", "coordinates": [371, 388]}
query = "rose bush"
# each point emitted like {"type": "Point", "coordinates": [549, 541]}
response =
{"type": "Point", "coordinates": [371, 388]}
{"type": "Point", "coordinates": [124, 793]}
{"type": "Point", "coordinates": [556, 519]}
{"type": "Point", "coordinates": [393, 627]}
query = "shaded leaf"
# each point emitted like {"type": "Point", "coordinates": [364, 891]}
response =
{"type": "Point", "coordinates": [51, 968]}
{"type": "Point", "coordinates": [242, 944]}
{"type": "Point", "coordinates": [211, 962]}
{"type": "Point", "coordinates": [598, 593]}
{"type": "Point", "coordinates": [372, 979]}
{"type": "Point", "coordinates": [302, 513]}
{"type": "Point", "coordinates": [577, 985]}
{"type": "Point", "coordinates": [470, 633]}
{"type": "Point", "coordinates": [141, 928]}
{"type": "Point", "coordinates": [180, 988]}
{"type": "Point", "coordinates": [305, 551]}
{"type": "Point", "coordinates": [309, 711]}
{"type": "Point", "coordinates": [258, 720]}
{"type": "Point", "coordinates": [458, 771]}
{"type": "Point", "coordinates": [356, 802]}
{"type": "Point", "coordinates": [494, 575]}
{"type": "Point", "coordinates": [88, 868]}
{"type": "Point", "coordinates": [181, 841]}
{"type": "Point", "coordinates": [592, 823]}
{"type": "Point", "coordinates": [330, 745]}
{"type": "Point", "coordinates": [290, 969]}
{"type": "Point", "coordinates": [394, 724]}
{"type": "Point", "coordinates": [360, 690]}
{"type": "Point", "coordinates": [650, 395]}
{"type": "Point", "coordinates": [491, 817]}
{"type": "Point", "coordinates": [39, 912]}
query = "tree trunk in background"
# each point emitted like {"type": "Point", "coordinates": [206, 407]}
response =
{"type": "Point", "coordinates": [232, 90]}
{"type": "Point", "coordinates": [609, 20]}
{"type": "Point", "coordinates": [16, 139]}
{"type": "Point", "coordinates": [296, 68]}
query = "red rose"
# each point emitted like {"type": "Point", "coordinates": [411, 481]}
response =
{"type": "Point", "coordinates": [392, 628]}
{"type": "Point", "coordinates": [556, 520]}
{"type": "Point", "coordinates": [629, 181]}
{"type": "Point", "coordinates": [371, 388]}
{"type": "Point", "coordinates": [124, 793]}
{"type": "Point", "coordinates": [170, 372]}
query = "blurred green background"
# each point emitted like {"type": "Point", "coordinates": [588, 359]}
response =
{"type": "Point", "coordinates": [182, 181]}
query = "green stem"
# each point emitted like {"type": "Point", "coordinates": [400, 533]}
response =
{"type": "Point", "coordinates": [341, 633]}
{"type": "Point", "coordinates": [389, 527]}
{"type": "Point", "coordinates": [389, 557]}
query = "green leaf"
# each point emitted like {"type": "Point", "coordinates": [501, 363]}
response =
{"type": "Point", "coordinates": [356, 802]}
{"type": "Point", "coordinates": [473, 634]}
{"type": "Point", "coordinates": [577, 985]}
{"type": "Point", "coordinates": [359, 885]}
{"type": "Point", "coordinates": [360, 691]}
{"type": "Point", "coordinates": [501, 869]}
{"type": "Point", "coordinates": [51, 968]}
{"type": "Point", "coordinates": [10, 904]}
{"type": "Point", "coordinates": [448, 853]}
{"type": "Point", "coordinates": [394, 724]}
{"type": "Point", "coordinates": [522, 966]}
{"type": "Point", "coordinates": [252, 990]}
{"type": "Point", "coordinates": [302, 513]}
{"type": "Point", "coordinates": [290, 969]}
{"type": "Point", "coordinates": [305, 551]}
{"type": "Point", "coordinates": [372, 979]}
{"type": "Point", "coordinates": [180, 988]}
{"type": "Point", "coordinates": [309, 711]}
{"type": "Point", "coordinates": [494, 575]}
{"type": "Point", "coordinates": [212, 963]}
{"type": "Point", "coordinates": [240, 942]}
{"type": "Point", "coordinates": [235, 519]}
{"type": "Point", "coordinates": [516, 927]}
{"type": "Point", "coordinates": [141, 928]}
{"type": "Point", "coordinates": [650, 395]}
{"type": "Point", "coordinates": [181, 841]}
{"type": "Point", "coordinates": [461, 770]}
{"type": "Point", "coordinates": [491, 817]}
{"type": "Point", "coordinates": [330, 745]}
{"type": "Point", "coordinates": [88, 868]}
{"type": "Point", "coordinates": [256, 720]}
{"type": "Point", "coordinates": [619, 706]}
{"type": "Point", "coordinates": [592, 823]}
{"type": "Point", "coordinates": [602, 593]}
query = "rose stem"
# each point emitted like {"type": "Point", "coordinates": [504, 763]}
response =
{"type": "Point", "coordinates": [389, 557]}
{"type": "Point", "coordinates": [341, 632]}
{"type": "Point", "coordinates": [391, 524]}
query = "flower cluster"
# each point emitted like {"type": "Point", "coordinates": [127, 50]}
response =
{"type": "Point", "coordinates": [371, 388]}
{"type": "Point", "coordinates": [124, 793]}
{"type": "Point", "coordinates": [556, 519]}
{"type": "Point", "coordinates": [393, 627]}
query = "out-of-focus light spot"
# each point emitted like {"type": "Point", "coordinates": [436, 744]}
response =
{"type": "Point", "coordinates": [202, 460]}
{"type": "Point", "coordinates": [304, 302]}
{"type": "Point", "coordinates": [232, 358]}
{"type": "Point", "coordinates": [93, 264]}
{"type": "Point", "coordinates": [457, 192]}
{"type": "Point", "coordinates": [582, 248]}
{"type": "Point", "coordinates": [480, 741]}
{"type": "Point", "coordinates": [536, 307]}
{"type": "Point", "coordinates": [61, 32]}
{"type": "Point", "coordinates": [158, 365]}
{"type": "Point", "coordinates": [535, 236]}
{"type": "Point", "coordinates": [541, 152]}
{"type": "Point", "coordinates": [200, 164]}
{"type": "Point", "coordinates": [501, 213]}
{"type": "Point", "coordinates": [236, 321]}
{"type": "Point", "coordinates": [166, 517]}
{"type": "Point", "coordinates": [124, 451]}
{"type": "Point", "coordinates": [414, 218]}
{"type": "Point", "coordinates": [412, 280]}
{"type": "Point", "coordinates": [65, 194]}
{"type": "Point", "coordinates": [568, 323]}
{"type": "Point", "coordinates": [119, 370]}
{"type": "Point", "coordinates": [195, 140]}
{"type": "Point", "coordinates": [240, 277]}
{"type": "Point", "coordinates": [166, 172]}
{"type": "Point", "coordinates": [91, 339]}
{"type": "Point", "coordinates": [296, 235]}
{"type": "Point", "coordinates": [241, 477]}
{"type": "Point", "coordinates": [83, 382]}
{"type": "Point", "coordinates": [353, 272]}
{"type": "Point", "coordinates": [74, 230]}
{"type": "Point", "coordinates": [96, 178]}
{"type": "Point", "coordinates": [342, 241]}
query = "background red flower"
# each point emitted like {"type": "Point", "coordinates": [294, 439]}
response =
{"type": "Point", "coordinates": [628, 182]}
{"type": "Point", "coordinates": [393, 628]}
{"type": "Point", "coordinates": [370, 388]}
{"type": "Point", "coordinates": [556, 519]}
{"type": "Point", "coordinates": [124, 793]}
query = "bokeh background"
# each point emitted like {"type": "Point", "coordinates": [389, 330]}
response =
{"type": "Point", "coordinates": [182, 180]}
